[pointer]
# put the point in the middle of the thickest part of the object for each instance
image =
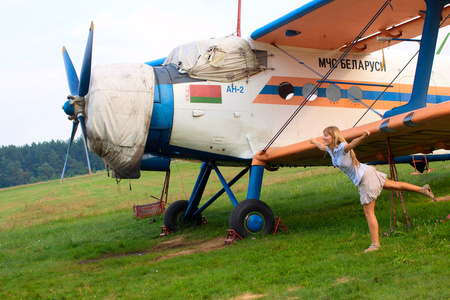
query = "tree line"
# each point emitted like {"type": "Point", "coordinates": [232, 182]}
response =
{"type": "Point", "coordinates": [44, 161]}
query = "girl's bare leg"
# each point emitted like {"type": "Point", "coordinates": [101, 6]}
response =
{"type": "Point", "coordinates": [404, 186]}
{"type": "Point", "coordinates": [401, 186]}
{"type": "Point", "coordinates": [369, 211]}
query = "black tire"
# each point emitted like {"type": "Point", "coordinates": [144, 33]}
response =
{"type": "Point", "coordinates": [173, 217]}
{"type": "Point", "coordinates": [240, 216]}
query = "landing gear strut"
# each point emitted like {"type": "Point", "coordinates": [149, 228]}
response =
{"type": "Point", "coordinates": [182, 213]}
{"type": "Point", "coordinates": [251, 216]}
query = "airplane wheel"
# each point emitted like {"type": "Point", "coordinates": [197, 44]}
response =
{"type": "Point", "coordinates": [252, 216]}
{"type": "Point", "coordinates": [173, 217]}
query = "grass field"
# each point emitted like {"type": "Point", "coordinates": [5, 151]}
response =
{"type": "Point", "coordinates": [79, 239]}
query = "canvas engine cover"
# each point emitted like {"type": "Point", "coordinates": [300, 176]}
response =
{"type": "Point", "coordinates": [118, 114]}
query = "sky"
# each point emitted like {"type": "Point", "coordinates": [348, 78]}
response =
{"type": "Point", "coordinates": [33, 84]}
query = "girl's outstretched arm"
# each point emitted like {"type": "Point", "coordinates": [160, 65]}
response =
{"type": "Point", "coordinates": [318, 145]}
{"type": "Point", "coordinates": [356, 141]}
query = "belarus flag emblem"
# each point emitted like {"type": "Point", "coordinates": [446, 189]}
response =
{"type": "Point", "coordinates": [205, 94]}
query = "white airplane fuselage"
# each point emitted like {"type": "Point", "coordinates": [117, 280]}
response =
{"type": "Point", "coordinates": [250, 111]}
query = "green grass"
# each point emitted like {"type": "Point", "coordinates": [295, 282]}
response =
{"type": "Point", "coordinates": [79, 239]}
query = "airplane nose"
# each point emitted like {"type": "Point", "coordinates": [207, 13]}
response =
{"type": "Point", "coordinates": [118, 114]}
{"type": "Point", "coordinates": [68, 108]}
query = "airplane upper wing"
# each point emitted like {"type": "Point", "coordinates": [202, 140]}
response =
{"type": "Point", "coordinates": [418, 131]}
{"type": "Point", "coordinates": [334, 24]}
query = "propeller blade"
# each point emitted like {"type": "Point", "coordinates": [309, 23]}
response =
{"type": "Point", "coordinates": [74, 130]}
{"type": "Point", "coordinates": [71, 73]}
{"type": "Point", "coordinates": [85, 75]}
{"type": "Point", "coordinates": [83, 130]}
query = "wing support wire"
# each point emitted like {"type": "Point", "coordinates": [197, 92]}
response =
{"type": "Point", "coordinates": [401, 71]}
{"type": "Point", "coordinates": [389, 85]}
{"type": "Point", "coordinates": [300, 62]}
{"type": "Point", "coordinates": [325, 77]}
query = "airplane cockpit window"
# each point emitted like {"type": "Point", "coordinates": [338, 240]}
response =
{"type": "Point", "coordinates": [333, 93]}
{"type": "Point", "coordinates": [225, 59]}
{"type": "Point", "coordinates": [261, 55]}
{"type": "Point", "coordinates": [286, 90]}
{"type": "Point", "coordinates": [307, 89]}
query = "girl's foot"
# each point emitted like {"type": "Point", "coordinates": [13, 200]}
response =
{"type": "Point", "coordinates": [373, 247]}
{"type": "Point", "coordinates": [427, 192]}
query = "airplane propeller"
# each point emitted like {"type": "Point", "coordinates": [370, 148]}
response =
{"type": "Point", "coordinates": [74, 106]}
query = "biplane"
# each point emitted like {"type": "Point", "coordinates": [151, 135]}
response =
{"type": "Point", "coordinates": [256, 102]}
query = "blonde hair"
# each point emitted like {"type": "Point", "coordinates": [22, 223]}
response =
{"type": "Point", "coordinates": [338, 138]}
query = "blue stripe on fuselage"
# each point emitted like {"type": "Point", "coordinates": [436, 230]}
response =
{"type": "Point", "coordinates": [367, 95]}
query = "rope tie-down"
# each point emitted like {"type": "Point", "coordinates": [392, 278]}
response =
{"type": "Point", "coordinates": [399, 194]}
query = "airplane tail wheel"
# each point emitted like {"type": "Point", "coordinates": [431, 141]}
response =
{"type": "Point", "coordinates": [173, 217]}
{"type": "Point", "coordinates": [252, 216]}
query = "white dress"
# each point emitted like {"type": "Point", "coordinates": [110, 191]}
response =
{"type": "Point", "coordinates": [370, 182]}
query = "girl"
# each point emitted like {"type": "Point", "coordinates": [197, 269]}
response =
{"type": "Point", "coordinates": [370, 182]}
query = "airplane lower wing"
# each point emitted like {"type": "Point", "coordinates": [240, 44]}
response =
{"type": "Point", "coordinates": [420, 131]}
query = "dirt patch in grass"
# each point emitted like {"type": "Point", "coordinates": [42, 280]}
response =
{"type": "Point", "coordinates": [185, 248]}
{"type": "Point", "coordinates": [248, 296]}
{"type": "Point", "coordinates": [442, 199]}
{"type": "Point", "coordinates": [341, 280]}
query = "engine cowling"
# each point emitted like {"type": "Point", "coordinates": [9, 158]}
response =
{"type": "Point", "coordinates": [118, 112]}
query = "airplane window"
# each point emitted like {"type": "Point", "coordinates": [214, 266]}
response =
{"type": "Point", "coordinates": [334, 93]}
{"type": "Point", "coordinates": [307, 89]}
{"type": "Point", "coordinates": [355, 94]}
{"type": "Point", "coordinates": [286, 90]}
{"type": "Point", "coordinates": [261, 55]}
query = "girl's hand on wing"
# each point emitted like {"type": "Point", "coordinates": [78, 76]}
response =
{"type": "Point", "coordinates": [317, 144]}
{"type": "Point", "coordinates": [366, 133]}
